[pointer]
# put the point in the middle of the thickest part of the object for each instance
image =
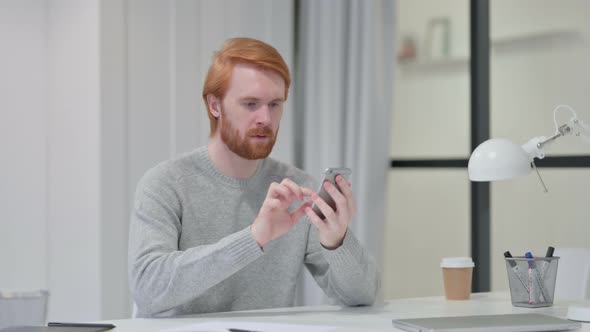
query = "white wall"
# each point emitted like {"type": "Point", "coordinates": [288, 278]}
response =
{"type": "Point", "coordinates": [115, 198]}
{"type": "Point", "coordinates": [23, 147]}
{"type": "Point", "coordinates": [93, 93]}
{"type": "Point", "coordinates": [50, 172]}
{"type": "Point", "coordinates": [74, 216]}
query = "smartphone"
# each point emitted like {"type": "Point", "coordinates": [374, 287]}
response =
{"type": "Point", "coordinates": [330, 175]}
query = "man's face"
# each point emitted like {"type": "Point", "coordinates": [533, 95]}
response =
{"type": "Point", "coordinates": [251, 111]}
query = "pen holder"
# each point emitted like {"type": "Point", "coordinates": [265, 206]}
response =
{"type": "Point", "coordinates": [532, 280]}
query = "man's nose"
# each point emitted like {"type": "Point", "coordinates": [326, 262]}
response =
{"type": "Point", "coordinates": [263, 115]}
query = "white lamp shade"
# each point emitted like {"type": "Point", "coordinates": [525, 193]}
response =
{"type": "Point", "coordinates": [498, 159]}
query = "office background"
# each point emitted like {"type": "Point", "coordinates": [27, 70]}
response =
{"type": "Point", "coordinates": [95, 92]}
{"type": "Point", "coordinates": [538, 60]}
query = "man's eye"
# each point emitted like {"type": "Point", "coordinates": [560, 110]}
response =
{"type": "Point", "coordinates": [274, 105]}
{"type": "Point", "coordinates": [250, 104]}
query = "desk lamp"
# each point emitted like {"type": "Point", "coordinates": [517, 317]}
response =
{"type": "Point", "coordinates": [500, 159]}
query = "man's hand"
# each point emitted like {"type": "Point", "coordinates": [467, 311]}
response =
{"type": "Point", "coordinates": [332, 229]}
{"type": "Point", "coordinates": [274, 219]}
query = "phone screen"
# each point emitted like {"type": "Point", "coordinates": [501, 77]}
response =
{"type": "Point", "coordinates": [330, 175]}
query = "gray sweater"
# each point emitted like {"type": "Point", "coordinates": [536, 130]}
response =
{"type": "Point", "coordinates": [191, 249]}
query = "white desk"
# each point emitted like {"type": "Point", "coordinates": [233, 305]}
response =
{"type": "Point", "coordinates": [375, 318]}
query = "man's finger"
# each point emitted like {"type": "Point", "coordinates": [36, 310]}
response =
{"type": "Point", "coordinates": [307, 191]}
{"type": "Point", "coordinates": [300, 212]}
{"type": "Point", "coordinates": [345, 187]}
{"type": "Point", "coordinates": [293, 187]}
{"type": "Point", "coordinates": [281, 192]}
{"type": "Point", "coordinates": [339, 199]}
{"type": "Point", "coordinates": [274, 203]}
{"type": "Point", "coordinates": [319, 223]}
{"type": "Point", "coordinates": [327, 211]}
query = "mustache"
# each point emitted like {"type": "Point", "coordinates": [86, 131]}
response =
{"type": "Point", "coordinates": [261, 131]}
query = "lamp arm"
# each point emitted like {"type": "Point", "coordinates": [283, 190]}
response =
{"type": "Point", "coordinates": [561, 131]}
{"type": "Point", "coordinates": [535, 147]}
{"type": "Point", "coordinates": [577, 126]}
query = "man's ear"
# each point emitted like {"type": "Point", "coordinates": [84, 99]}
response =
{"type": "Point", "coordinates": [214, 105]}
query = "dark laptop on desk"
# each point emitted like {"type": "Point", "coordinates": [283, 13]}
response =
{"type": "Point", "coordinates": [487, 323]}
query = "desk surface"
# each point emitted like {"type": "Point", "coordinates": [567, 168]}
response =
{"type": "Point", "coordinates": [374, 318]}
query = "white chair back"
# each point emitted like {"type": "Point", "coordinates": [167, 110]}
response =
{"type": "Point", "coordinates": [573, 274]}
{"type": "Point", "coordinates": [23, 308]}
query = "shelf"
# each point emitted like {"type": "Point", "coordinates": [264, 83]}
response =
{"type": "Point", "coordinates": [520, 42]}
{"type": "Point", "coordinates": [546, 35]}
{"type": "Point", "coordinates": [434, 63]}
{"type": "Point", "coordinates": [537, 40]}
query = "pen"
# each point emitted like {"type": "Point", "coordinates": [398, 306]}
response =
{"type": "Point", "coordinates": [104, 326]}
{"type": "Point", "coordinates": [537, 276]}
{"type": "Point", "coordinates": [516, 270]}
{"type": "Point", "coordinates": [546, 263]}
{"type": "Point", "coordinates": [550, 251]}
{"type": "Point", "coordinates": [240, 330]}
{"type": "Point", "coordinates": [530, 270]}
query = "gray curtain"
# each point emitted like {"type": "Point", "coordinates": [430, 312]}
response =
{"type": "Point", "coordinates": [344, 100]}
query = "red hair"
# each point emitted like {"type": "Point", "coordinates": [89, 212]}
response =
{"type": "Point", "coordinates": [240, 50]}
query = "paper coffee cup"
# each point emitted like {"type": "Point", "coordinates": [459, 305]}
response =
{"type": "Point", "coordinates": [457, 275]}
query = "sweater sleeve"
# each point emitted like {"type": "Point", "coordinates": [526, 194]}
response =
{"type": "Point", "coordinates": [163, 277]}
{"type": "Point", "coordinates": [347, 274]}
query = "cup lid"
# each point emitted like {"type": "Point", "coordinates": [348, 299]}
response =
{"type": "Point", "coordinates": [457, 262]}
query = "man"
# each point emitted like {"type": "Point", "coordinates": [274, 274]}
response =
{"type": "Point", "coordinates": [222, 228]}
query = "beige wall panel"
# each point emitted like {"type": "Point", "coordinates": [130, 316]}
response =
{"type": "Point", "coordinates": [427, 219]}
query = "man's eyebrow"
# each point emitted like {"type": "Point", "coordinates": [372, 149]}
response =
{"type": "Point", "coordinates": [258, 99]}
{"type": "Point", "coordinates": [249, 98]}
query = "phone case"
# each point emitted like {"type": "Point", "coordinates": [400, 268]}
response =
{"type": "Point", "coordinates": [330, 175]}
